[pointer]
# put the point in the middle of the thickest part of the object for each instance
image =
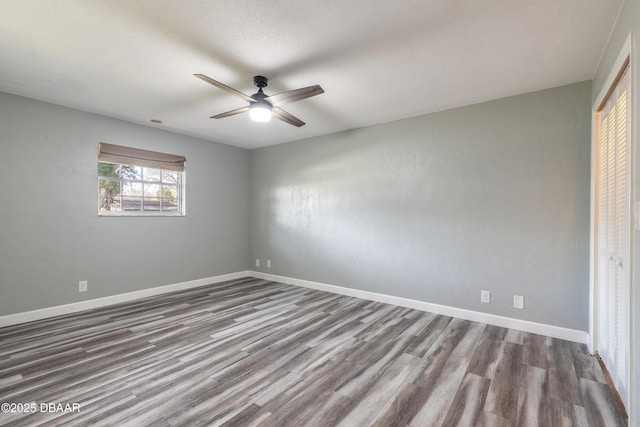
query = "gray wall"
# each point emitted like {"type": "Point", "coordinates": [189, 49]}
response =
{"type": "Point", "coordinates": [435, 208]}
{"type": "Point", "coordinates": [629, 23]}
{"type": "Point", "coordinates": [492, 196]}
{"type": "Point", "coordinates": [51, 236]}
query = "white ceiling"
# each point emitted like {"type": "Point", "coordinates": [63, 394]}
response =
{"type": "Point", "coordinates": [377, 60]}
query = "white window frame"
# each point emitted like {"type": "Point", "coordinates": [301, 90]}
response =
{"type": "Point", "coordinates": [142, 182]}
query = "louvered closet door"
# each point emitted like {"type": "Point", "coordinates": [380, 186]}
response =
{"type": "Point", "coordinates": [604, 256]}
{"type": "Point", "coordinates": [614, 232]}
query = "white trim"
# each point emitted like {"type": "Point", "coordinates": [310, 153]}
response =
{"type": "Point", "coordinates": [634, 388]}
{"type": "Point", "coordinates": [29, 316]}
{"type": "Point", "coordinates": [593, 249]}
{"type": "Point", "coordinates": [476, 316]}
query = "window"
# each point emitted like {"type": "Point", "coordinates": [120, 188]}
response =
{"type": "Point", "coordinates": [133, 182]}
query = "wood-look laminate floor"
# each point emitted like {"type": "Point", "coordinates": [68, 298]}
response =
{"type": "Point", "coordinates": [255, 353]}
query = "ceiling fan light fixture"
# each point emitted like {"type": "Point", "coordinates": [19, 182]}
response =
{"type": "Point", "coordinates": [260, 112]}
{"type": "Point", "coordinates": [260, 105]}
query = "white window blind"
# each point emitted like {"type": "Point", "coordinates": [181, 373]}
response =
{"type": "Point", "coordinates": [110, 153]}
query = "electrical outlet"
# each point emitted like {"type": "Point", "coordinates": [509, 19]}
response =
{"type": "Point", "coordinates": [82, 286]}
{"type": "Point", "coordinates": [485, 296]}
{"type": "Point", "coordinates": [257, 263]}
{"type": "Point", "coordinates": [268, 263]}
{"type": "Point", "coordinates": [518, 302]}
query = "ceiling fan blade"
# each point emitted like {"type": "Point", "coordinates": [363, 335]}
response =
{"type": "Point", "coordinates": [280, 114]}
{"type": "Point", "coordinates": [230, 113]}
{"type": "Point", "coordinates": [294, 95]}
{"type": "Point", "coordinates": [224, 87]}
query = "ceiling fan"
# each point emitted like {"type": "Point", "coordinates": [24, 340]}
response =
{"type": "Point", "coordinates": [261, 106]}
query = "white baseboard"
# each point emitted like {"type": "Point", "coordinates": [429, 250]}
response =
{"type": "Point", "coordinates": [492, 319]}
{"type": "Point", "coordinates": [476, 316]}
{"type": "Point", "coordinates": [29, 316]}
{"type": "Point", "coordinates": [591, 345]}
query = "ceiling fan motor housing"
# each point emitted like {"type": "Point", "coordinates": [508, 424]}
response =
{"type": "Point", "coordinates": [259, 96]}
{"type": "Point", "coordinates": [260, 81]}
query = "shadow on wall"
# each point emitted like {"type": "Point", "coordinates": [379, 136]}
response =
{"type": "Point", "coordinates": [425, 214]}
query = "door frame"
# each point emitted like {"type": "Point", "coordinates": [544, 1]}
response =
{"type": "Point", "coordinates": [592, 340]}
